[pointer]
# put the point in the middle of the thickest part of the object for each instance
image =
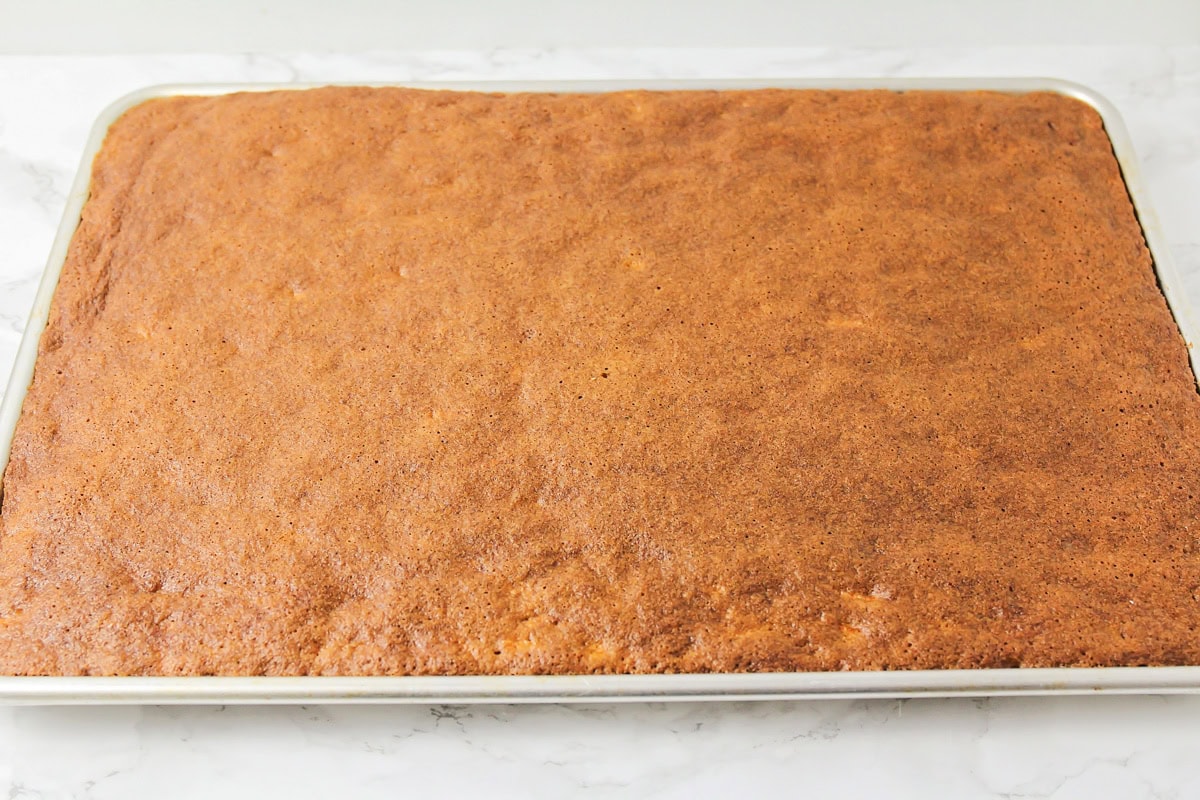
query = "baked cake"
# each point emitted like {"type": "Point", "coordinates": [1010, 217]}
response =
{"type": "Point", "coordinates": [382, 381]}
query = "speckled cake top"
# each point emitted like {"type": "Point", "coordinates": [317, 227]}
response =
{"type": "Point", "coordinates": [382, 381]}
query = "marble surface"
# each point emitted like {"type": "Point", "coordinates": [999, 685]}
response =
{"type": "Point", "coordinates": [1004, 747]}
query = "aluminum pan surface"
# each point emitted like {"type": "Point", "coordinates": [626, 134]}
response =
{"type": "Point", "coordinates": [565, 688]}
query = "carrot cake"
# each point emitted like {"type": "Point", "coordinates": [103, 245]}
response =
{"type": "Point", "coordinates": [385, 381]}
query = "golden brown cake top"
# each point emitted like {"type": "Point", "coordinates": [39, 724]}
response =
{"type": "Point", "coordinates": [366, 381]}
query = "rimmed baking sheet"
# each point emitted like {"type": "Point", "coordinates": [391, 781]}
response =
{"type": "Point", "coordinates": [510, 689]}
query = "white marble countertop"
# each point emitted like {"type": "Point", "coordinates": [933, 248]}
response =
{"type": "Point", "coordinates": [1009, 747]}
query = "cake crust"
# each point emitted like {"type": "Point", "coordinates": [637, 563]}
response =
{"type": "Point", "coordinates": [385, 381]}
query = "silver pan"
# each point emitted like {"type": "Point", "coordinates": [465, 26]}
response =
{"type": "Point", "coordinates": [527, 689]}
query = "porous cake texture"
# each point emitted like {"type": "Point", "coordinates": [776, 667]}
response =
{"type": "Point", "coordinates": [384, 381]}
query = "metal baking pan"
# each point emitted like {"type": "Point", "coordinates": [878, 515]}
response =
{"type": "Point", "coordinates": [517, 689]}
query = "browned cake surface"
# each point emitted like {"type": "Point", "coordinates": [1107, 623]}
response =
{"type": "Point", "coordinates": [382, 381]}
